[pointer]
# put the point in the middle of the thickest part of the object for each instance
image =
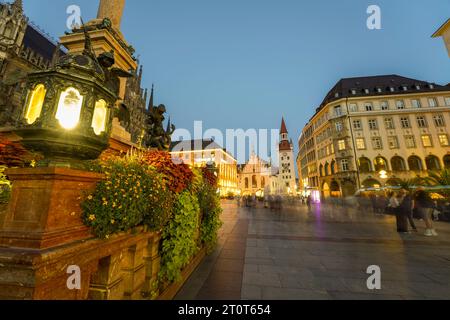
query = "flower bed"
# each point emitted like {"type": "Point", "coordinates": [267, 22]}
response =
{"type": "Point", "coordinates": [153, 190]}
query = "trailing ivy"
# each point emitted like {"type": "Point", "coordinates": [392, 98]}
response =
{"type": "Point", "coordinates": [210, 211]}
{"type": "Point", "coordinates": [179, 238]}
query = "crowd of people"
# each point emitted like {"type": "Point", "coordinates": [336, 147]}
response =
{"type": "Point", "coordinates": [404, 204]}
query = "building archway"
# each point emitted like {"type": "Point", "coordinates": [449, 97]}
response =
{"type": "Point", "coordinates": [447, 161]}
{"type": "Point", "coordinates": [335, 189]}
{"type": "Point", "coordinates": [415, 163]}
{"type": "Point", "coordinates": [398, 164]}
{"type": "Point", "coordinates": [326, 192]}
{"type": "Point", "coordinates": [254, 182]}
{"type": "Point", "coordinates": [246, 183]}
{"type": "Point", "coordinates": [381, 164]}
{"type": "Point", "coordinates": [348, 188]}
{"type": "Point", "coordinates": [365, 165]}
{"type": "Point", "coordinates": [393, 182]}
{"type": "Point", "coordinates": [433, 163]}
{"type": "Point", "coordinates": [371, 183]}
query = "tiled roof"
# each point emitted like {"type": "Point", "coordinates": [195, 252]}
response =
{"type": "Point", "coordinates": [191, 145]}
{"type": "Point", "coordinates": [38, 43]}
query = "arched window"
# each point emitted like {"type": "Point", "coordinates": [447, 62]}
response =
{"type": "Point", "coordinates": [398, 164]}
{"type": "Point", "coordinates": [333, 167]}
{"type": "Point", "coordinates": [321, 170]}
{"type": "Point", "coordinates": [327, 169]}
{"type": "Point", "coordinates": [9, 30]}
{"type": "Point", "coordinates": [69, 108]}
{"type": "Point", "coordinates": [415, 163]}
{"type": "Point", "coordinates": [254, 182]}
{"type": "Point", "coordinates": [263, 182]}
{"type": "Point", "coordinates": [447, 162]}
{"type": "Point", "coordinates": [246, 183]}
{"type": "Point", "coordinates": [35, 103]}
{"type": "Point", "coordinates": [365, 165]}
{"type": "Point", "coordinates": [433, 163]}
{"type": "Point", "coordinates": [381, 164]}
{"type": "Point", "coordinates": [371, 183]}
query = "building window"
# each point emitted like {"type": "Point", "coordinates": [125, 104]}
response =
{"type": "Point", "coordinates": [339, 126]}
{"type": "Point", "coordinates": [379, 90]}
{"type": "Point", "coordinates": [353, 107]}
{"type": "Point", "coordinates": [410, 141]}
{"type": "Point", "coordinates": [400, 104]}
{"type": "Point", "coordinates": [377, 143]}
{"type": "Point", "coordinates": [384, 105]}
{"type": "Point", "coordinates": [391, 89]}
{"type": "Point", "coordinates": [405, 123]}
{"type": "Point", "coordinates": [447, 101]}
{"type": "Point", "coordinates": [416, 104]}
{"type": "Point", "coordinates": [35, 103]}
{"type": "Point", "coordinates": [389, 123]}
{"type": "Point", "coordinates": [345, 165]}
{"type": "Point", "coordinates": [422, 122]}
{"type": "Point", "coordinates": [341, 145]}
{"type": "Point", "coordinates": [357, 125]}
{"type": "Point", "coordinates": [393, 142]}
{"type": "Point", "coordinates": [338, 111]}
{"type": "Point", "coordinates": [439, 120]}
{"type": "Point", "coordinates": [373, 124]}
{"type": "Point", "coordinates": [426, 141]}
{"type": "Point", "coordinates": [369, 107]}
{"type": "Point", "coordinates": [360, 143]}
{"type": "Point", "coordinates": [443, 140]}
{"type": "Point", "coordinates": [432, 102]}
{"type": "Point", "coordinates": [100, 116]}
{"type": "Point", "coordinates": [353, 91]}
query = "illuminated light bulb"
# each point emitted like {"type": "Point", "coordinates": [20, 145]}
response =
{"type": "Point", "coordinates": [69, 108]}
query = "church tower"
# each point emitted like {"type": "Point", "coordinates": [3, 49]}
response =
{"type": "Point", "coordinates": [286, 161]}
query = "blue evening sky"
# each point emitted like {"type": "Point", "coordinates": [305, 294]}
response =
{"type": "Point", "coordinates": [246, 63]}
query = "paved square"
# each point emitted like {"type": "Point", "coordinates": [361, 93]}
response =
{"type": "Point", "coordinates": [323, 254]}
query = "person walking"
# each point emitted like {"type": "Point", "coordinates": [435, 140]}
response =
{"type": "Point", "coordinates": [425, 206]}
{"type": "Point", "coordinates": [308, 202]}
{"type": "Point", "coordinates": [406, 208]}
{"type": "Point", "coordinates": [395, 203]}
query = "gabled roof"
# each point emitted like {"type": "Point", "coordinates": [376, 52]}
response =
{"type": "Point", "coordinates": [442, 29]}
{"type": "Point", "coordinates": [195, 145]}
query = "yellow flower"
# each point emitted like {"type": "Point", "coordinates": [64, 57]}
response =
{"type": "Point", "coordinates": [92, 217]}
{"type": "Point", "coordinates": [90, 197]}
{"type": "Point", "coordinates": [113, 221]}
{"type": "Point", "coordinates": [107, 236]}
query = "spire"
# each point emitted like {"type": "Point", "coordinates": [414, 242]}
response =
{"type": "Point", "coordinates": [141, 72]}
{"type": "Point", "coordinates": [169, 125]}
{"type": "Point", "coordinates": [150, 103]}
{"type": "Point", "coordinates": [56, 55]}
{"type": "Point", "coordinates": [283, 127]}
{"type": "Point", "coordinates": [145, 95]}
{"type": "Point", "coordinates": [18, 4]}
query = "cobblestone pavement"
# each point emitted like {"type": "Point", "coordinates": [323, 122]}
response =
{"type": "Point", "coordinates": [323, 254]}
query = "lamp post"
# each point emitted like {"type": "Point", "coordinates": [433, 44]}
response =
{"type": "Point", "coordinates": [68, 110]}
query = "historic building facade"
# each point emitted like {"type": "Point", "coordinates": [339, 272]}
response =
{"type": "Point", "coordinates": [254, 176]}
{"type": "Point", "coordinates": [198, 153]}
{"type": "Point", "coordinates": [374, 131]}
{"type": "Point", "coordinates": [23, 48]}
{"type": "Point", "coordinates": [286, 160]}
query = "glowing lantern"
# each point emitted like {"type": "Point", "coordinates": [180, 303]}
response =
{"type": "Point", "coordinates": [35, 103]}
{"type": "Point", "coordinates": [100, 116]}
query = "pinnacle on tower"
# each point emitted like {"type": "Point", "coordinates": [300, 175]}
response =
{"type": "Point", "coordinates": [18, 4]}
{"type": "Point", "coordinates": [150, 103]}
{"type": "Point", "coordinates": [283, 127]}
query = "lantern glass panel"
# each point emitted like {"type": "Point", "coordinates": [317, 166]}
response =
{"type": "Point", "coordinates": [35, 104]}
{"type": "Point", "coordinates": [69, 108]}
{"type": "Point", "coordinates": [99, 118]}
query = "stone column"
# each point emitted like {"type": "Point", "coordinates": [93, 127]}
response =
{"type": "Point", "coordinates": [112, 9]}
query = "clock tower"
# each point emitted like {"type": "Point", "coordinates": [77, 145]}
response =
{"type": "Point", "coordinates": [286, 174]}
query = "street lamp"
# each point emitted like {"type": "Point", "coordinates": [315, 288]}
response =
{"type": "Point", "coordinates": [68, 109]}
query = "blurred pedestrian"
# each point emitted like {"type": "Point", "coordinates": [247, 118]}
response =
{"type": "Point", "coordinates": [407, 209]}
{"type": "Point", "coordinates": [425, 206]}
{"type": "Point", "coordinates": [309, 202]}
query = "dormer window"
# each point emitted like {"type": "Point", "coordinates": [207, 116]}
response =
{"type": "Point", "coordinates": [391, 89]}
{"type": "Point", "coordinates": [353, 91]}
{"type": "Point", "coordinates": [418, 87]}
{"type": "Point", "coordinates": [366, 91]}
{"type": "Point", "coordinates": [405, 88]}
{"type": "Point", "coordinates": [379, 90]}
{"type": "Point", "coordinates": [336, 95]}
{"type": "Point", "coordinates": [431, 86]}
